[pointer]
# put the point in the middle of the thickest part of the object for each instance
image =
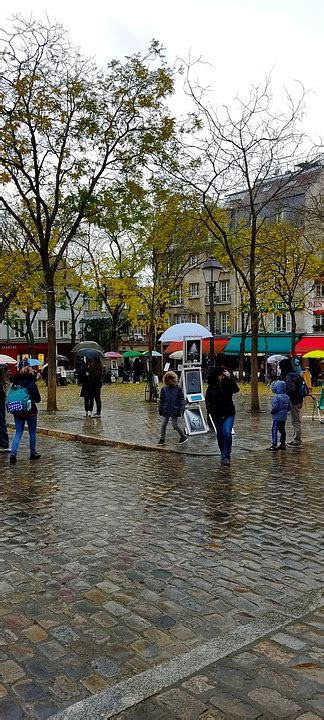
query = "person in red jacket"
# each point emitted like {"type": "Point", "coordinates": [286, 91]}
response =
{"type": "Point", "coordinates": [26, 379]}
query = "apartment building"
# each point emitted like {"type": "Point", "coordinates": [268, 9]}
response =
{"type": "Point", "coordinates": [190, 301]}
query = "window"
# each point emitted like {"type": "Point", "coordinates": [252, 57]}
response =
{"type": "Point", "coordinates": [19, 330]}
{"type": "Point", "coordinates": [177, 297]}
{"type": "Point", "coordinates": [224, 322]}
{"type": "Point", "coordinates": [318, 323]}
{"type": "Point", "coordinates": [319, 289]}
{"type": "Point", "coordinates": [282, 323]}
{"type": "Point", "coordinates": [42, 328]}
{"type": "Point", "coordinates": [224, 286]}
{"type": "Point", "coordinates": [193, 260]}
{"type": "Point", "coordinates": [180, 319]}
{"type": "Point", "coordinates": [194, 318]}
{"type": "Point", "coordinates": [64, 328]}
{"type": "Point", "coordinates": [193, 290]}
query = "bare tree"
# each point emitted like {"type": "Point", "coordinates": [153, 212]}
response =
{"type": "Point", "coordinates": [238, 161]}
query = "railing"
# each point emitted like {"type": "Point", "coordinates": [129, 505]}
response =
{"type": "Point", "coordinates": [218, 299]}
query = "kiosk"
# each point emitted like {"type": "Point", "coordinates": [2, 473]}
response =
{"type": "Point", "coordinates": [192, 386]}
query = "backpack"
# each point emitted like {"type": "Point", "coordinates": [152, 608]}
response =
{"type": "Point", "coordinates": [18, 399]}
{"type": "Point", "coordinates": [302, 388]}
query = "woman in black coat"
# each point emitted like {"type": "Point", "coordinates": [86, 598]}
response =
{"type": "Point", "coordinates": [221, 409]}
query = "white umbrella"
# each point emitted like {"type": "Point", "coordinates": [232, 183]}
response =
{"type": "Point", "coordinates": [7, 360]}
{"type": "Point", "coordinates": [176, 355]}
{"type": "Point", "coordinates": [181, 330]}
{"type": "Point", "coordinates": [276, 358]}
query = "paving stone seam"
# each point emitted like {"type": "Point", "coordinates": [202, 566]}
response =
{"type": "Point", "coordinates": [134, 690]}
{"type": "Point", "coordinates": [126, 445]}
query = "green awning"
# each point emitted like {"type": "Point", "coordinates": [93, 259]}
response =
{"type": "Point", "coordinates": [271, 344]}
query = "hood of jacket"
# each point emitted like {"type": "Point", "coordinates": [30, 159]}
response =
{"type": "Point", "coordinates": [278, 387]}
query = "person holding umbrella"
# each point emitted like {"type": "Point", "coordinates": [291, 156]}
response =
{"type": "Point", "coordinates": [86, 393]}
{"type": "Point", "coordinates": [95, 382]}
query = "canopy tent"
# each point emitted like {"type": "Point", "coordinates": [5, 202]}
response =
{"type": "Point", "coordinates": [273, 344]}
{"type": "Point", "coordinates": [218, 345]}
{"type": "Point", "coordinates": [306, 344]}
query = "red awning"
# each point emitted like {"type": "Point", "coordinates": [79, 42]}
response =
{"type": "Point", "coordinates": [307, 344]}
{"type": "Point", "coordinates": [219, 346]}
{"type": "Point", "coordinates": [318, 312]}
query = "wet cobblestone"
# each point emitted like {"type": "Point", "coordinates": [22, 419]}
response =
{"type": "Point", "coordinates": [254, 683]}
{"type": "Point", "coordinates": [112, 562]}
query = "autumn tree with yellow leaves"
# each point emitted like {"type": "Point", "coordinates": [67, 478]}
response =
{"type": "Point", "coordinates": [68, 129]}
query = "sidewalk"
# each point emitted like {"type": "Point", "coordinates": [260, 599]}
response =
{"type": "Point", "coordinates": [127, 420]}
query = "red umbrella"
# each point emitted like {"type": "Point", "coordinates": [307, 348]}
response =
{"type": "Point", "coordinates": [219, 346]}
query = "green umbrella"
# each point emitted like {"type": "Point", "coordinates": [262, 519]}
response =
{"type": "Point", "coordinates": [132, 353]}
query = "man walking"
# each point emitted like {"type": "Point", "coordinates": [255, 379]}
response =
{"type": "Point", "coordinates": [293, 388]}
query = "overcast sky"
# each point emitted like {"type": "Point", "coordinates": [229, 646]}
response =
{"type": "Point", "coordinates": [242, 39]}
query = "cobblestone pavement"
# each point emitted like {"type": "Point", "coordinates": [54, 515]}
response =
{"type": "Point", "coordinates": [113, 561]}
{"type": "Point", "coordinates": [281, 676]}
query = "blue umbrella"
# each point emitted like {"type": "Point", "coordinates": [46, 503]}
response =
{"type": "Point", "coordinates": [33, 362]}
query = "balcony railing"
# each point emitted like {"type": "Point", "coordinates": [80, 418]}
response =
{"type": "Point", "coordinates": [218, 299]}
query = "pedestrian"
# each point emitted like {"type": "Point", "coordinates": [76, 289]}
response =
{"type": "Point", "coordinates": [293, 389]}
{"type": "Point", "coordinates": [95, 381]}
{"type": "Point", "coordinates": [137, 370]}
{"type": "Point", "coordinates": [26, 379]}
{"type": "Point", "coordinates": [85, 393]}
{"type": "Point", "coordinates": [280, 407]}
{"type": "Point", "coordinates": [171, 405]}
{"type": "Point", "coordinates": [221, 409]}
{"type": "Point", "coordinates": [4, 437]}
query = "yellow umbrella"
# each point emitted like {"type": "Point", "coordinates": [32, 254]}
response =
{"type": "Point", "coordinates": [314, 354]}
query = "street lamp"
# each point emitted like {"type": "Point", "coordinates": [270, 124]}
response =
{"type": "Point", "coordinates": [211, 271]}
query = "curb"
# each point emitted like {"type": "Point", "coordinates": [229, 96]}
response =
{"type": "Point", "coordinates": [104, 442]}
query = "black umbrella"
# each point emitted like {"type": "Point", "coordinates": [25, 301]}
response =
{"type": "Point", "coordinates": [90, 353]}
{"type": "Point", "coordinates": [85, 345]}
{"type": "Point", "coordinates": [62, 358]}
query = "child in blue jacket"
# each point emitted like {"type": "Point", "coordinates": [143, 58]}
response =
{"type": "Point", "coordinates": [280, 407]}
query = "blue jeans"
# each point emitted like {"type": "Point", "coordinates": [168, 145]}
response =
{"type": "Point", "coordinates": [4, 438]}
{"type": "Point", "coordinates": [19, 425]}
{"type": "Point", "coordinates": [224, 436]}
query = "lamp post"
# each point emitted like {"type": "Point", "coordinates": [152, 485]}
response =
{"type": "Point", "coordinates": [211, 271]}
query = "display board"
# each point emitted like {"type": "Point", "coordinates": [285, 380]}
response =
{"type": "Point", "coordinates": [195, 421]}
{"type": "Point", "coordinates": [192, 351]}
{"type": "Point", "coordinates": [191, 383]}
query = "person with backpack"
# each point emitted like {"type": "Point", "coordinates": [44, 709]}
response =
{"type": "Point", "coordinates": [171, 405]}
{"type": "Point", "coordinates": [24, 395]}
{"type": "Point", "coordinates": [296, 390]}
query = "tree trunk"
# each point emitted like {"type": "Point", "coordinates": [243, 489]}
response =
{"type": "Point", "coordinates": [255, 403]}
{"type": "Point", "coordinates": [293, 335]}
{"type": "Point", "coordinates": [73, 325]}
{"type": "Point", "coordinates": [114, 331]}
{"type": "Point", "coordinates": [150, 379]}
{"type": "Point", "coordinates": [51, 337]}
{"type": "Point", "coordinates": [30, 335]}
{"type": "Point", "coordinates": [242, 348]}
